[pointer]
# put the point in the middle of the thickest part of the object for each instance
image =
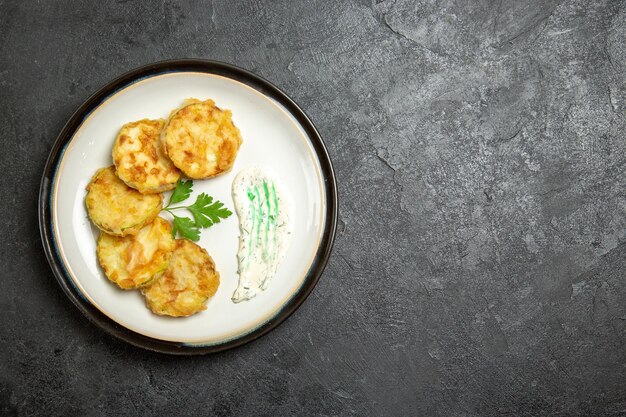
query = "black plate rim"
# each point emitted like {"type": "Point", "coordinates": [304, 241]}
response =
{"type": "Point", "coordinates": [186, 65]}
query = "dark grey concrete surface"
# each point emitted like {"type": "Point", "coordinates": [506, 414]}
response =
{"type": "Point", "coordinates": [480, 262]}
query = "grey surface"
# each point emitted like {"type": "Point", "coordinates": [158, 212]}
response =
{"type": "Point", "coordinates": [480, 263]}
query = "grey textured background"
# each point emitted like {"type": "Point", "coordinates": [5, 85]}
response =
{"type": "Point", "coordinates": [480, 262]}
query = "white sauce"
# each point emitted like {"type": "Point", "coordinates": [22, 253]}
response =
{"type": "Point", "coordinates": [265, 211]}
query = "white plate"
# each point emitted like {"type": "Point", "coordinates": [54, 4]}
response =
{"type": "Point", "coordinates": [275, 134]}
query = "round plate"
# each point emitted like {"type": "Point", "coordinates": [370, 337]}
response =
{"type": "Point", "coordinates": [276, 133]}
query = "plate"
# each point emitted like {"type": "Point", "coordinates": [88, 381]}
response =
{"type": "Point", "coordinates": [276, 133]}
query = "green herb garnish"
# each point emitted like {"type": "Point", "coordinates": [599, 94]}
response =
{"type": "Point", "coordinates": [205, 212]}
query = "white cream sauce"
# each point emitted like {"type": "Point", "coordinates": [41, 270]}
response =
{"type": "Point", "coordinates": [265, 211]}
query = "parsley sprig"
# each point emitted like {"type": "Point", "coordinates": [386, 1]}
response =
{"type": "Point", "coordinates": [205, 211]}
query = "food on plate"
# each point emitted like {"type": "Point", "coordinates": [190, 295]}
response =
{"type": "Point", "coordinates": [201, 139]}
{"type": "Point", "coordinates": [135, 261]}
{"type": "Point", "coordinates": [140, 159]}
{"type": "Point", "coordinates": [189, 281]}
{"type": "Point", "coordinates": [136, 248]}
{"type": "Point", "coordinates": [265, 221]}
{"type": "Point", "coordinates": [117, 209]}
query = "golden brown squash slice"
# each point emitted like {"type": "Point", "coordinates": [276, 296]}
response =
{"type": "Point", "coordinates": [201, 139]}
{"type": "Point", "coordinates": [189, 281]}
{"type": "Point", "coordinates": [116, 208]}
{"type": "Point", "coordinates": [135, 261]}
{"type": "Point", "coordinates": [140, 159]}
